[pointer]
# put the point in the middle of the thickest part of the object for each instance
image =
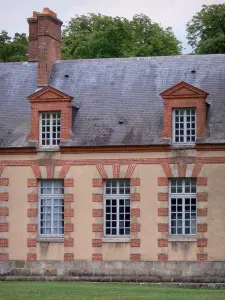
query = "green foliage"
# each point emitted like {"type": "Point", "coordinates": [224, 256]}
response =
{"type": "Point", "coordinates": [99, 36]}
{"type": "Point", "coordinates": [206, 30]}
{"type": "Point", "coordinates": [15, 49]}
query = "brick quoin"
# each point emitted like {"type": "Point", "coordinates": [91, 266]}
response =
{"type": "Point", "coordinates": [68, 227]}
{"type": "Point", "coordinates": [162, 212]}
{"type": "Point", "coordinates": [31, 243]}
{"type": "Point", "coordinates": [201, 181]}
{"type": "Point", "coordinates": [135, 182]}
{"type": "Point", "coordinates": [32, 212]}
{"type": "Point", "coordinates": [96, 243]}
{"type": "Point", "coordinates": [97, 227]}
{"type": "Point", "coordinates": [68, 182]}
{"type": "Point", "coordinates": [68, 197]}
{"type": "Point", "coordinates": [163, 227]}
{"type": "Point", "coordinates": [31, 256]}
{"type": "Point", "coordinates": [202, 197]}
{"type": "Point", "coordinates": [202, 243]}
{"type": "Point", "coordinates": [68, 257]}
{"type": "Point", "coordinates": [4, 243]}
{"type": "Point", "coordinates": [32, 197]}
{"type": "Point", "coordinates": [202, 257]}
{"type": "Point", "coordinates": [4, 181]}
{"type": "Point", "coordinates": [135, 243]}
{"type": "Point", "coordinates": [162, 243]}
{"type": "Point", "coordinates": [202, 227]}
{"type": "Point", "coordinates": [96, 257]}
{"type": "Point", "coordinates": [135, 257]}
{"type": "Point", "coordinates": [32, 182]}
{"type": "Point", "coordinates": [97, 213]}
{"type": "Point", "coordinates": [135, 227]}
{"type": "Point", "coordinates": [163, 181]}
{"type": "Point", "coordinates": [4, 211]}
{"type": "Point", "coordinates": [4, 256]}
{"type": "Point", "coordinates": [135, 197]}
{"type": "Point", "coordinates": [68, 242]}
{"type": "Point", "coordinates": [162, 257]}
{"type": "Point", "coordinates": [97, 197]}
{"type": "Point", "coordinates": [4, 227]}
{"type": "Point", "coordinates": [97, 182]}
{"type": "Point", "coordinates": [4, 196]}
{"type": "Point", "coordinates": [135, 212]}
{"type": "Point", "coordinates": [31, 227]}
{"type": "Point", "coordinates": [163, 196]}
{"type": "Point", "coordinates": [68, 212]}
{"type": "Point", "coordinates": [202, 212]}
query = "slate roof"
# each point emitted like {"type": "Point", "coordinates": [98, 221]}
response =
{"type": "Point", "coordinates": [109, 92]}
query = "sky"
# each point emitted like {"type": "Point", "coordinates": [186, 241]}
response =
{"type": "Point", "coordinates": [174, 13]}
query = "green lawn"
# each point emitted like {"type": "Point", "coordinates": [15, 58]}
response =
{"type": "Point", "coordinates": [100, 291]}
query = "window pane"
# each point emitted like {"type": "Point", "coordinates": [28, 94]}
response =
{"type": "Point", "coordinates": [50, 123]}
{"type": "Point", "coordinates": [184, 124]}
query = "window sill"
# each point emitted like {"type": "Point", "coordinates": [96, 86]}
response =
{"type": "Point", "coordinates": [182, 238]}
{"type": "Point", "coordinates": [48, 149]}
{"type": "Point", "coordinates": [183, 146]}
{"type": "Point", "coordinates": [50, 239]}
{"type": "Point", "coordinates": [115, 240]}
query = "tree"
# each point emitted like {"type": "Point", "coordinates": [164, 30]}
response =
{"type": "Point", "coordinates": [206, 30]}
{"type": "Point", "coordinates": [15, 49]}
{"type": "Point", "coordinates": [99, 36]}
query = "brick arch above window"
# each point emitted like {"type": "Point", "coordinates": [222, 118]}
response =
{"type": "Point", "coordinates": [184, 95]}
{"type": "Point", "coordinates": [49, 99]}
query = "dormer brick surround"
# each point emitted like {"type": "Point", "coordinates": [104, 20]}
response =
{"type": "Point", "coordinates": [184, 95]}
{"type": "Point", "coordinates": [44, 42]}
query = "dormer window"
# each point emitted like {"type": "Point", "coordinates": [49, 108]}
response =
{"type": "Point", "coordinates": [50, 128]}
{"type": "Point", "coordinates": [184, 125]}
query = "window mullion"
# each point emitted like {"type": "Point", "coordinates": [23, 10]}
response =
{"type": "Point", "coordinates": [117, 216]}
{"type": "Point", "coordinates": [51, 132]}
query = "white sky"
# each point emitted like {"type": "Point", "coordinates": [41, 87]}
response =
{"type": "Point", "coordinates": [174, 13]}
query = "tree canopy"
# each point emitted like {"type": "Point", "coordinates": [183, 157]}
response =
{"type": "Point", "coordinates": [99, 36]}
{"type": "Point", "coordinates": [206, 30]}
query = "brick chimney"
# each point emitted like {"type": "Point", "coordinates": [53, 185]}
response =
{"type": "Point", "coordinates": [44, 42]}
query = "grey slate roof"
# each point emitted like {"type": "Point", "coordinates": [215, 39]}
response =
{"type": "Point", "coordinates": [109, 91]}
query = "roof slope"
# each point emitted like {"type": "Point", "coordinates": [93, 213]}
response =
{"type": "Point", "coordinates": [109, 92]}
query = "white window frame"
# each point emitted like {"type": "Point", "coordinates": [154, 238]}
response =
{"type": "Point", "coordinates": [185, 142]}
{"type": "Point", "coordinates": [183, 196]}
{"type": "Point", "coordinates": [51, 197]}
{"type": "Point", "coordinates": [51, 145]}
{"type": "Point", "coordinates": [118, 197]}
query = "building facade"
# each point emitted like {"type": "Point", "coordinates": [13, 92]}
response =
{"type": "Point", "coordinates": [111, 169]}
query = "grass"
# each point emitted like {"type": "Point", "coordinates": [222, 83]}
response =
{"type": "Point", "coordinates": [100, 291]}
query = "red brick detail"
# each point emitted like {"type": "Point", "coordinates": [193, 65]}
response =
{"type": "Point", "coordinates": [4, 196]}
{"type": "Point", "coordinates": [167, 169]}
{"type": "Point", "coordinates": [135, 227]}
{"type": "Point", "coordinates": [68, 212]}
{"type": "Point", "coordinates": [32, 197]}
{"type": "Point", "coordinates": [135, 197]}
{"type": "Point", "coordinates": [31, 227]}
{"type": "Point", "coordinates": [202, 243]}
{"type": "Point", "coordinates": [162, 257]}
{"type": "Point", "coordinates": [31, 256]}
{"type": "Point", "coordinates": [32, 182]}
{"type": "Point", "coordinates": [197, 168]}
{"type": "Point", "coordinates": [162, 227]}
{"type": "Point", "coordinates": [97, 212]}
{"type": "Point", "coordinates": [135, 212]}
{"type": "Point", "coordinates": [135, 257]}
{"type": "Point", "coordinates": [4, 243]}
{"type": "Point", "coordinates": [31, 243]}
{"type": "Point", "coordinates": [68, 257]}
{"type": "Point", "coordinates": [163, 196]}
{"type": "Point", "coordinates": [4, 227]}
{"type": "Point", "coordinates": [163, 181]}
{"type": "Point", "coordinates": [97, 197]}
{"type": "Point", "coordinates": [135, 182]}
{"type": "Point", "coordinates": [130, 170]}
{"type": "Point", "coordinates": [50, 170]}
{"type": "Point", "coordinates": [68, 227]}
{"type": "Point", "coordinates": [4, 256]}
{"type": "Point", "coordinates": [101, 171]}
{"type": "Point", "coordinates": [135, 243]}
{"type": "Point", "coordinates": [68, 197]}
{"type": "Point", "coordinates": [36, 170]}
{"type": "Point", "coordinates": [1, 170]}
{"type": "Point", "coordinates": [182, 168]}
{"type": "Point", "coordinates": [96, 257]}
{"type": "Point", "coordinates": [202, 227]}
{"type": "Point", "coordinates": [202, 257]}
{"type": "Point", "coordinates": [97, 182]}
{"type": "Point", "coordinates": [97, 227]}
{"type": "Point", "coordinates": [116, 171]}
{"type": "Point", "coordinates": [32, 212]}
{"type": "Point", "coordinates": [162, 212]}
{"type": "Point", "coordinates": [68, 182]}
{"type": "Point", "coordinates": [202, 197]}
{"type": "Point", "coordinates": [202, 181]}
{"type": "Point", "coordinates": [4, 181]}
{"type": "Point", "coordinates": [4, 211]}
{"type": "Point", "coordinates": [68, 242]}
{"type": "Point", "coordinates": [64, 171]}
{"type": "Point", "coordinates": [162, 243]}
{"type": "Point", "coordinates": [202, 212]}
{"type": "Point", "coordinates": [96, 243]}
